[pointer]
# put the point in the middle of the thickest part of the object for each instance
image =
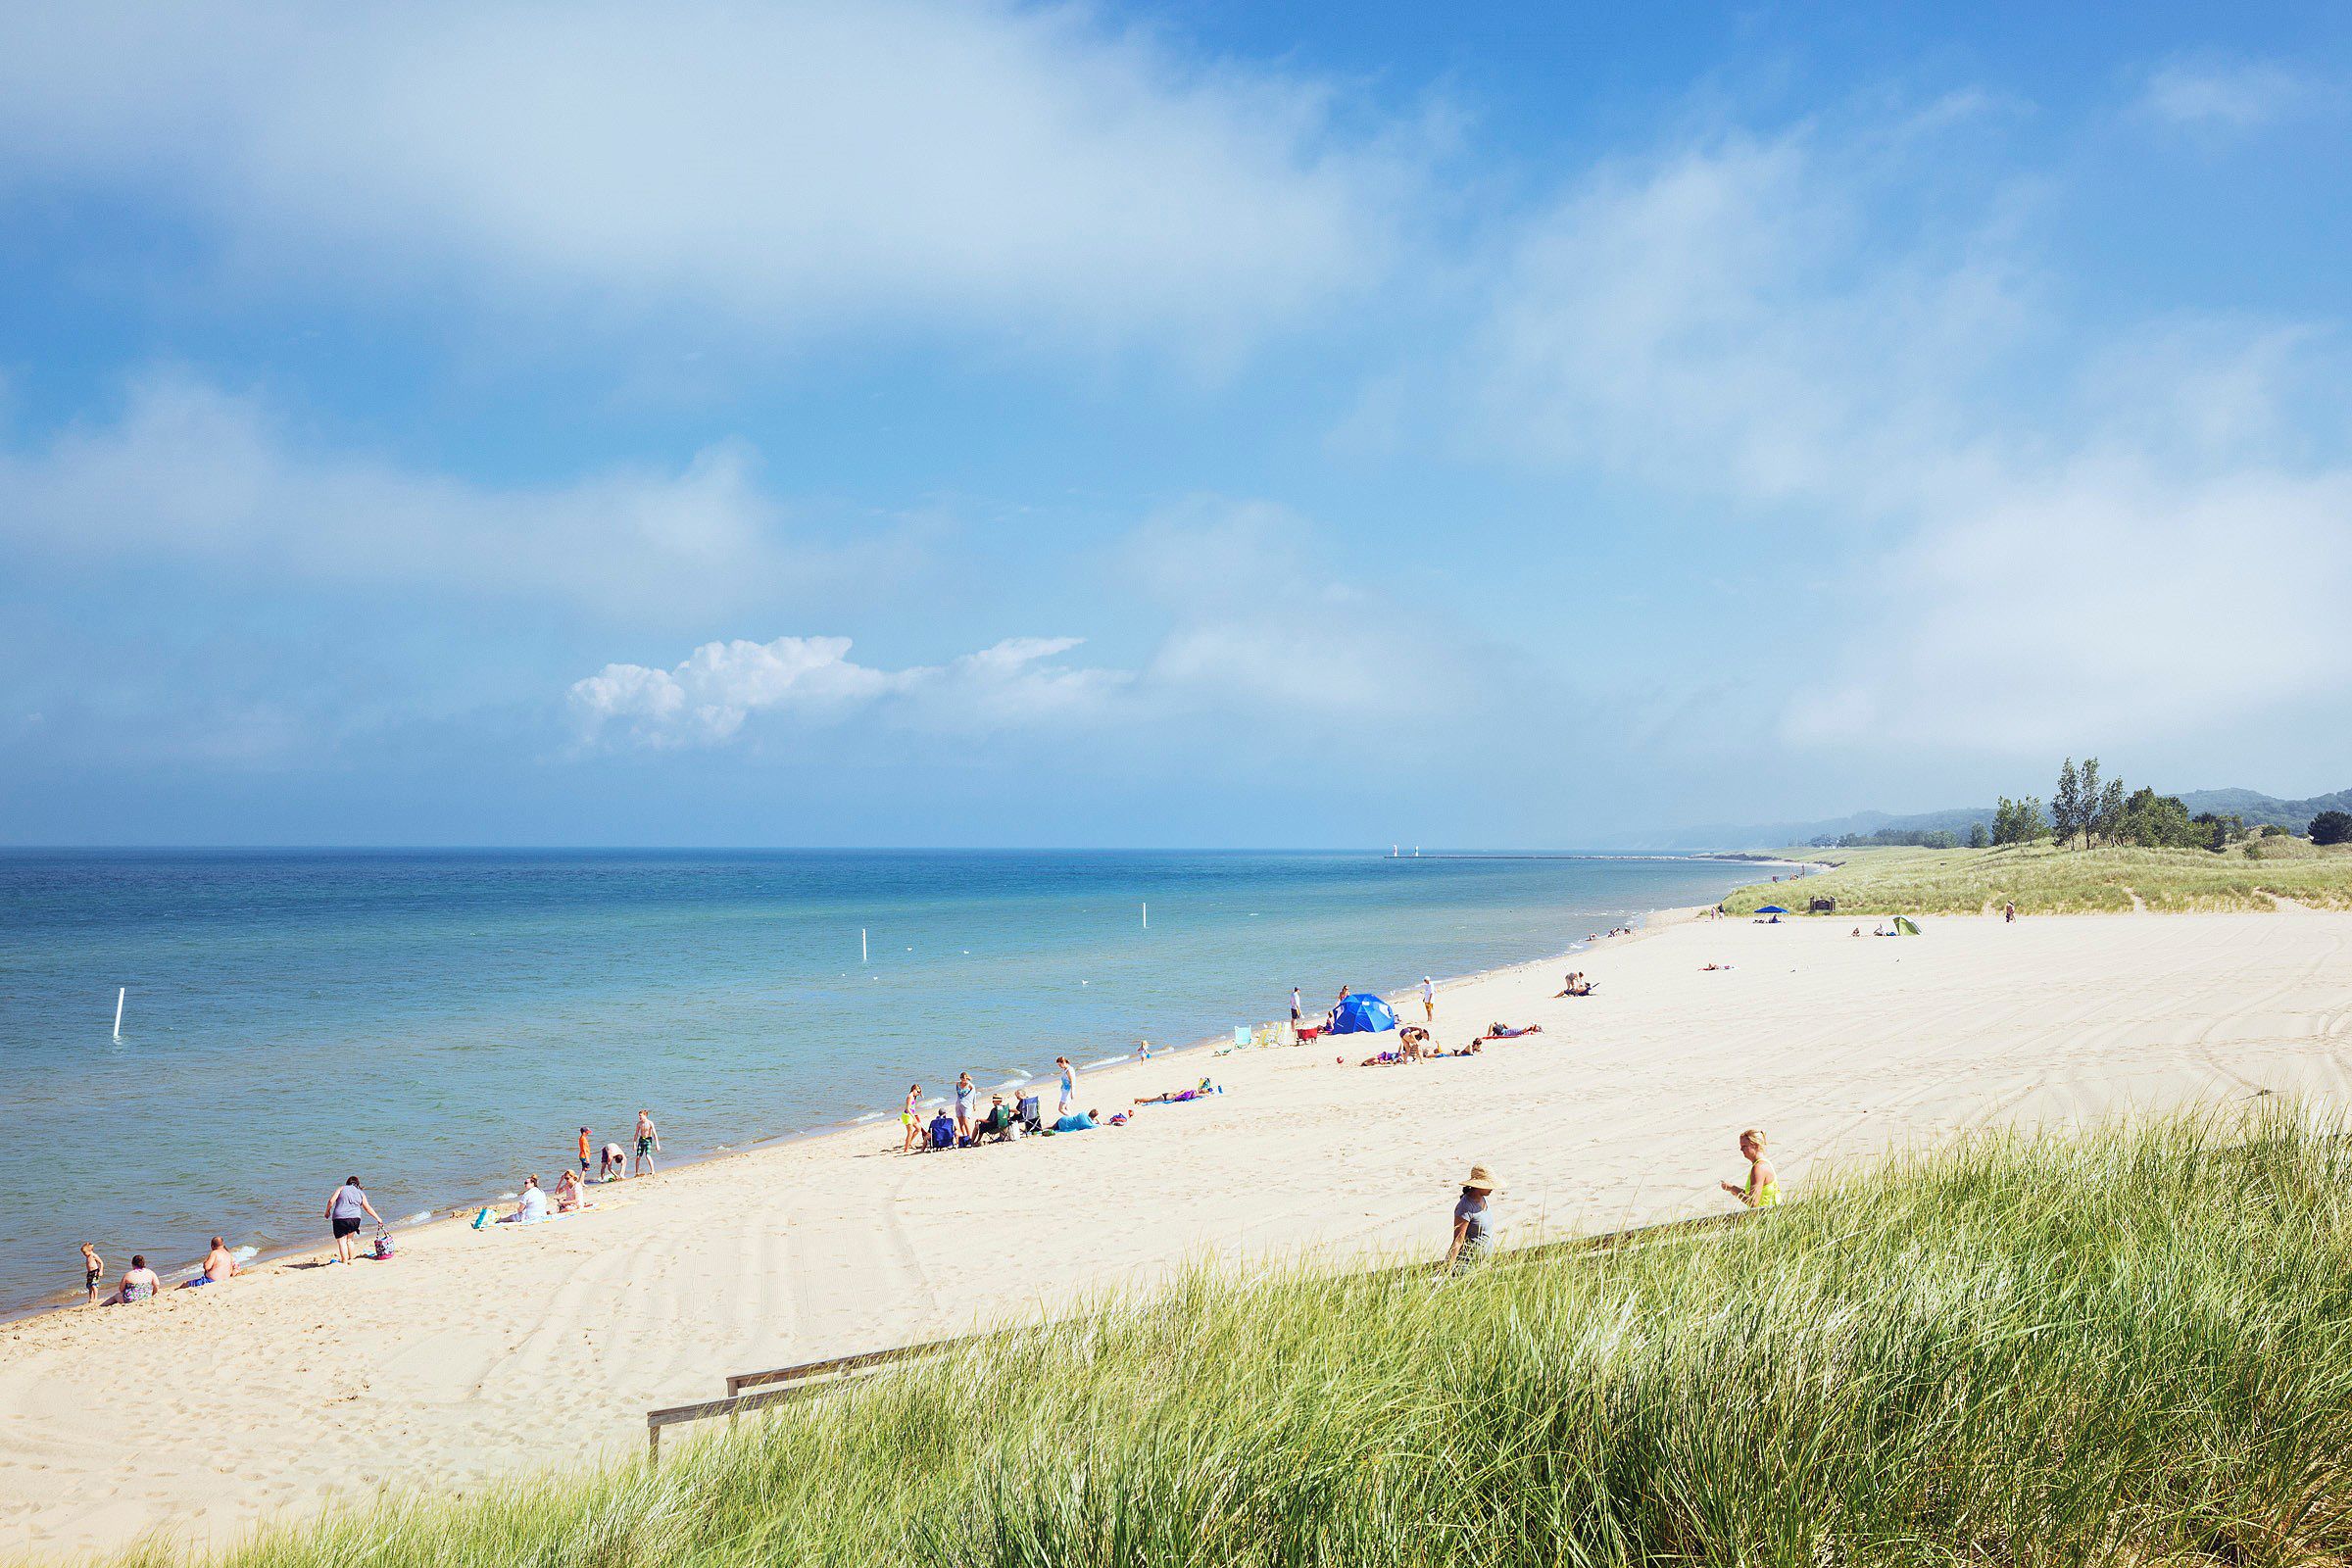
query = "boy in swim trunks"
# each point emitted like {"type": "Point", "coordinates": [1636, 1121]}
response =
{"type": "Point", "coordinates": [648, 1144]}
{"type": "Point", "coordinates": [93, 1269]}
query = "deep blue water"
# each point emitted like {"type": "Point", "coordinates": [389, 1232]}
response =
{"type": "Point", "coordinates": [439, 1022]}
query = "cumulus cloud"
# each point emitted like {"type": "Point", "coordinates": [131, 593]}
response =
{"type": "Point", "coordinates": [2047, 536]}
{"type": "Point", "coordinates": [789, 167]}
{"type": "Point", "coordinates": [1256, 646]}
{"type": "Point", "coordinates": [706, 698]}
{"type": "Point", "coordinates": [194, 473]}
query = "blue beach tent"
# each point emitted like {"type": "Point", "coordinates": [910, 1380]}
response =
{"type": "Point", "coordinates": [1362, 1014]}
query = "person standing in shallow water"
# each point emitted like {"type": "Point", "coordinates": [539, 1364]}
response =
{"type": "Point", "coordinates": [93, 1269]}
{"type": "Point", "coordinates": [1473, 1222]}
{"type": "Point", "coordinates": [343, 1212]}
{"type": "Point", "coordinates": [648, 1144]}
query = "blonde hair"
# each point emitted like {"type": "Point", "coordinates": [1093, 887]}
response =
{"type": "Point", "coordinates": [1754, 1134]}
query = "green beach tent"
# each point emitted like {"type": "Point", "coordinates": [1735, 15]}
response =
{"type": "Point", "coordinates": [1904, 927]}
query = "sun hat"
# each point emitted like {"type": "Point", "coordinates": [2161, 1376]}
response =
{"type": "Point", "coordinates": [1482, 1179]}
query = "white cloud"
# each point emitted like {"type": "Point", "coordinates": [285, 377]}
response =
{"type": "Point", "coordinates": [1259, 650]}
{"type": "Point", "coordinates": [791, 167]}
{"type": "Point", "coordinates": [706, 698]}
{"type": "Point", "coordinates": [193, 472]}
{"type": "Point", "coordinates": [2051, 538]}
{"type": "Point", "coordinates": [2223, 95]}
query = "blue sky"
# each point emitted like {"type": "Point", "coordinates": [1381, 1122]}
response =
{"type": "Point", "coordinates": [1201, 423]}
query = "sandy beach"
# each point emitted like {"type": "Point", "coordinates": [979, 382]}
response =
{"type": "Point", "coordinates": [477, 1355]}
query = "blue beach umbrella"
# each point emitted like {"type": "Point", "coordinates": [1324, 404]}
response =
{"type": "Point", "coordinates": [1362, 1014]}
{"type": "Point", "coordinates": [1773, 908]}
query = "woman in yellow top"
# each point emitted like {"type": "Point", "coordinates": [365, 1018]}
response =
{"type": "Point", "coordinates": [1763, 1188]}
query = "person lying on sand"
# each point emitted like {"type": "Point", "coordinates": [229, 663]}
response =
{"type": "Point", "coordinates": [1179, 1096]}
{"type": "Point", "coordinates": [1504, 1031]}
{"type": "Point", "coordinates": [1763, 1188]}
{"type": "Point", "coordinates": [219, 1264]}
{"type": "Point", "coordinates": [1386, 1058]}
{"type": "Point", "coordinates": [1706, 969]}
{"type": "Point", "coordinates": [1076, 1122]}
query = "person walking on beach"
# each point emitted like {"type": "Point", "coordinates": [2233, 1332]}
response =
{"type": "Point", "coordinates": [93, 1269]}
{"type": "Point", "coordinates": [139, 1283]}
{"type": "Point", "coordinates": [2008, 915]}
{"type": "Point", "coordinates": [966, 1092]}
{"type": "Point", "coordinates": [1429, 1001]}
{"type": "Point", "coordinates": [1473, 1225]}
{"type": "Point", "coordinates": [911, 1119]}
{"type": "Point", "coordinates": [1763, 1188]}
{"type": "Point", "coordinates": [1069, 1083]}
{"type": "Point", "coordinates": [648, 1144]}
{"type": "Point", "coordinates": [343, 1212]}
{"type": "Point", "coordinates": [1294, 1014]}
{"type": "Point", "coordinates": [584, 1152]}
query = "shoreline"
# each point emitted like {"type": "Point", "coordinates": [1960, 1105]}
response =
{"type": "Point", "coordinates": [67, 1300]}
{"type": "Point", "coordinates": [458, 1363]}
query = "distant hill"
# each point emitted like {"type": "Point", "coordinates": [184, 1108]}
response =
{"type": "Point", "coordinates": [2252, 804]}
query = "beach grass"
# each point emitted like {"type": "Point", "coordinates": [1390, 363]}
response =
{"type": "Point", "coordinates": [2128, 1348]}
{"type": "Point", "coordinates": [2042, 879]}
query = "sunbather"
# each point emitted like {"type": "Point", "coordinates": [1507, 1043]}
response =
{"type": "Point", "coordinates": [1178, 1097]}
{"type": "Point", "coordinates": [567, 1192]}
{"type": "Point", "coordinates": [996, 1125]}
{"type": "Point", "coordinates": [1504, 1031]}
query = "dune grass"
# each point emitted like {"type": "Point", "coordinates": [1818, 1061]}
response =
{"type": "Point", "coordinates": [2131, 1348]}
{"type": "Point", "coordinates": [2042, 879]}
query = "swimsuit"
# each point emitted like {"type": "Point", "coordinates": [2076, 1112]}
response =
{"type": "Point", "coordinates": [645, 1141]}
{"type": "Point", "coordinates": [1768, 1195]}
{"type": "Point", "coordinates": [91, 1276]}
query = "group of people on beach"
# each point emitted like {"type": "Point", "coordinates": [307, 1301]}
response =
{"type": "Point", "coordinates": [349, 1208]}
{"type": "Point", "coordinates": [957, 1123]}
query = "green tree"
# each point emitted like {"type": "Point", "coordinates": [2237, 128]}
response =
{"type": "Point", "coordinates": [2066, 805]}
{"type": "Point", "coordinates": [2107, 818]}
{"type": "Point", "coordinates": [2331, 827]}
{"type": "Point", "coordinates": [1978, 838]}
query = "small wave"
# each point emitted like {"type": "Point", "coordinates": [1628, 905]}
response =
{"type": "Point", "coordinates": [244, 1254]}
{"type": "Point", "coordinates": [420, 1217]}
{"type": "Point", "coordinates": [871, 1115]}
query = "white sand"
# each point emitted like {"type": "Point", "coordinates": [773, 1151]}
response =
{"type": "Point", "coordinates": [483, 1354]}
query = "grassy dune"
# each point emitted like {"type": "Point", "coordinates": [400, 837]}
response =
{"type": "Point", "coordinates": [2045, 880]}
{"type": "Point", "coordinates": [2131, 1350]}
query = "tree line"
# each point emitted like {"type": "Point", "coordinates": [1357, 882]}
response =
{"type": "Point", "coordinates": [2087, 810]}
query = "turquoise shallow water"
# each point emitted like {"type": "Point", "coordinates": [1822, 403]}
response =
{"type": "Point", "coordinates": [439, 1022]}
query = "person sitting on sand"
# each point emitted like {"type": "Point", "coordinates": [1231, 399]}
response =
{"type": "Point", "coordinates": [1179, 1096]}
{"type": "Point", "coordinates": [219, 1264]}
{"type": "Point", "coordinates": [530, 1208]}
{"type": "Point", "coordinates": [1473, 1225]}
{"type": "Point", "coordinates": [1763, 1188]}
{"type": "Point", "coordinates": [93, 1269]}
{"type": "Point", "coordinates": [1076, 1122]}
{"type": "Point", "coordinates": [1504, 1031]}
{"type": "Point", "coordinates": [139, 1283]}
{"type": "Point", "coordinates": [567, 1193]}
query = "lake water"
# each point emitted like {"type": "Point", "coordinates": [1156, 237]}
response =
{"type": "Point", "coordinates": [439, 1022]}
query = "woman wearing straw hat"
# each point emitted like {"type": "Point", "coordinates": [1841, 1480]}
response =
{"type": "Point", "coordinates": [1473, 1231]}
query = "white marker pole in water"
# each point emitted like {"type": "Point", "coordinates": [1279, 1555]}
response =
{"type": "Point", "coordinates": [119, 993]}
{"type": "Point", "coordinates": [1146, 916]}
{"type": "Point", "coordinates": [862, 944]}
